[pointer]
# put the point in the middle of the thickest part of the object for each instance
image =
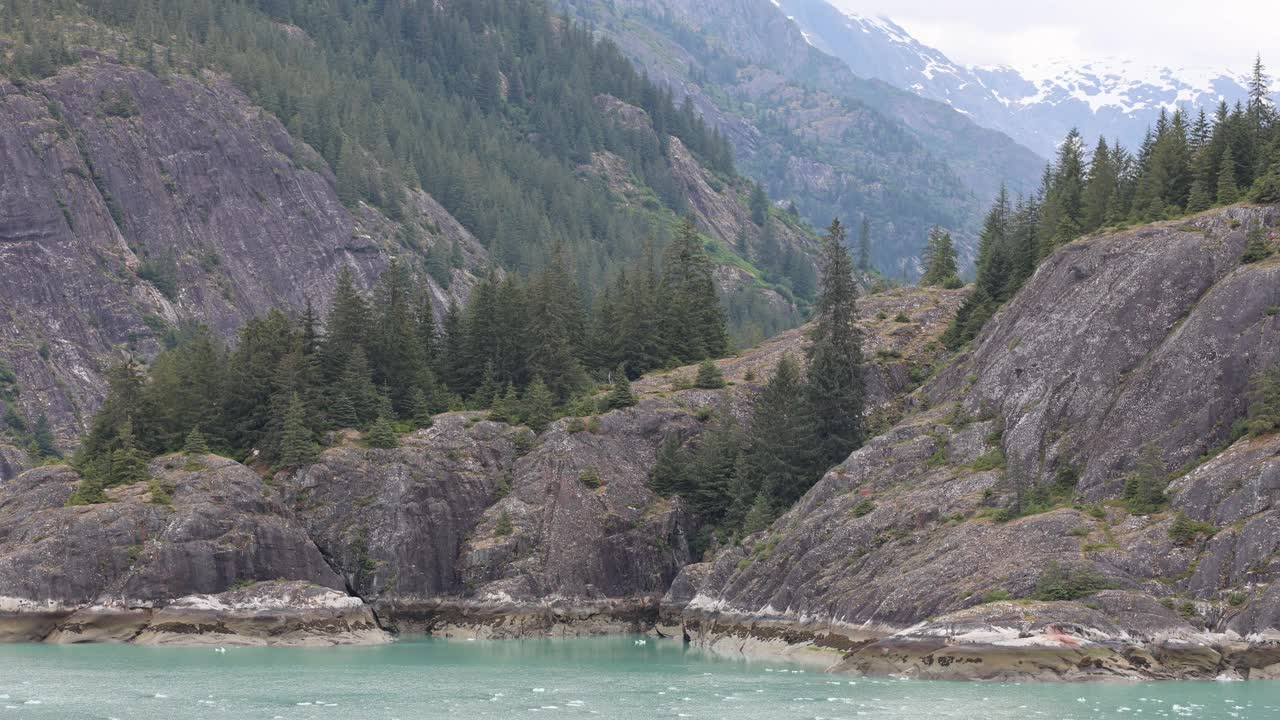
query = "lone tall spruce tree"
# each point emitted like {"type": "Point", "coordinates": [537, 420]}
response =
{"type": "Point", "coordinates": [835, 384]}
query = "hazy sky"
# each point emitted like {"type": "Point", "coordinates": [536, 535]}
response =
{"type": "Point", "coordinates": [1190, 33]}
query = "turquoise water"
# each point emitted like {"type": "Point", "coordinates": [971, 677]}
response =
{"type": "Point", "coordinates": [596, 677]}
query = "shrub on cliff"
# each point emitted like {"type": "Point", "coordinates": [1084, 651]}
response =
{"type": "Point", "coordinates": [1070, 582]}
{"type": "Point", "coordinates": [709, 376]}
{"type": "Point", "coordinates": [1144, 487]}
{"type": "Point", "coordinates": [1264, 402]}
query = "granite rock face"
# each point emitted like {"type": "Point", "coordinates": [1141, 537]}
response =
{"type": "Point", "coordinates": [394, 521]}
{"type": "Point", "coordinates": [1118, 341]}
{"type": "Point", "coordinates": [191, 204]}
{"type": "Point", "coordinates": [224, 525]}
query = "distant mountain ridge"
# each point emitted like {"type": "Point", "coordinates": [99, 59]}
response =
{"type": "Point", "coordinates": [1035, 105]}
{"type": "Point", "coordinates": [812, 131]}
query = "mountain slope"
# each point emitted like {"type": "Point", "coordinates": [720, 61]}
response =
{"type": "Point", "coordinates": [147, 190]}
{"type": "Point", "coordinates": [196, 206]}
{"type": "Point", "coordinates": [1036, 105]}
{"type": "Point", "coordinates": [810, 130]}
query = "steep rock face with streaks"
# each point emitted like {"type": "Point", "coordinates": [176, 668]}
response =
{"type": "Point", "coordinates": [132, 204]}
{"type": "Point", "coordinates": [899, 556]}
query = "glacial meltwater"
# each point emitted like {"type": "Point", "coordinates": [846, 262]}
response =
{"type": "Point", "coordinates": [595, 677]}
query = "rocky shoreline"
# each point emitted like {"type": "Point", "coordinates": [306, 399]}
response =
{"type": "Point", "coordinates": [278, 613]}
{"type": "Point", "coordinates": [995, 642]}
{"type": "Point", "coordinates": [997, 649]}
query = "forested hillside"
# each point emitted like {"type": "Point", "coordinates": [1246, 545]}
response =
{"type": "Point", "coordinates": [815, 134]}
{"type": "Point", "coordinates": [204, 162]}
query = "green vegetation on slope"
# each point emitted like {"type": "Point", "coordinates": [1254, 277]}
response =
{"type": "Point", "coordinates": [520, 348]}
{"type": "Point", "coordinates": [489, 105]}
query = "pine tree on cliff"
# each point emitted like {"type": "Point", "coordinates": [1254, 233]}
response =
{"type": "Point", "coordinates": [1266, 189]}
{"type": "Point", "coordinates": [381, 434]}
{"type": "Point", "coordinates": [538, 406]}
{"type": "Point", "coordinates": [195, 444]}
{"type": "Point", "coordinates": [695, 320]}
{"type": "Point", "coordinates": [342, 414]}
{"type": "Point", "coordinates": [128, 462]}
{"type": "Point", "coordinates": [620, 396]}
{"type": "Point", "coordinates": [421, 414]}
{"type": "Point", "coordinates": [297, 446]}
{"type": "Point", "coordinates": [357, 385]}
{"type": "Point", "coordinates": [347, 326]}
{"type": "Point", "coordinates": [1099, 186]}
{"type": "Point", "coordinates": [759, 204]}
{"type": "Point", "coordinates": [1256, 247]}
{"type": "Point", "coordinates": [1063, 198]}
{"type": "Point", "coordinates": [782, 456]}
{"type": "Point", "coordinates": [395, 355]}
{"type": "Point", "coordinates": [835, 390]}
{"type": "Point", "coordinates": [1228, 191]}
{"type": "Point", "coordinates": [124, 401]}
{"type": "Point", "coordinates": [712, 470]}
{"type": "Point", "coordinates": [1262, 112]}
{"type": "Point", "coordinates": [556, 324]}
{"type": "Point", "coordinates": [864, 246]}
{"type": "Point", "coordinates": [668, 474]}
{"type": "Point", "coordinates": [939, 258]}
{"type": "Point", "coordinates": [709, 376]}
{"type": "Point", "coordinates": [42, 443]}
{"type": "Point", "coordinates": [1264, 402]}
{"type": "Point", "coordinates": [507, 407]}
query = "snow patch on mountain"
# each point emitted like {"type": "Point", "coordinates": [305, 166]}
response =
{"type": "Point", "coordinates": [1036, 104]}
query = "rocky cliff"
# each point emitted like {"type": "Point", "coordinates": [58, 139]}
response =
{"type": "Point", "coordinates": [131, 204]}
{"type": "Point", "coordinates": [469, 526]}
{"type": "Point", "coordinates": [900, 559]}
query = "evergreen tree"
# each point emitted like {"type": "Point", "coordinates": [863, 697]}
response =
{"type": "Point", "coordinates": [759, 204]}
{"type": "Point", "coordinates": [1099, 188]}
{"type": "Point", "coordinates": [709, 376]}
{"type": "Point", "coordinates": [422, 415]}
{"type": "Point", "coordinates": [395, 353]}
{"type": "Point", "coordinates": [506, 408]}
{"type": "Point", "coordinates": [711, 471]}
{"type": "Point", "coordinates": [484, 395]}
{"type": "Point", "coordinates": [42, 439]}
{"type": "Point", "coordinates": [556, 322]}
{"type": "Point", "coordinates": [1144, 487]}
{"type": "Point", "coordinates": [128, 462]}
{"type": "Point", "coordinates": [297, 447]}
{"type": "Point", "coordinates": [195, 444]}
{"type": "Point", "coordinates": [1264, 402]}
{"type": "Point", "coordinates": [620, 396]}
{"type": "Point", "coordinates": [356, 385]}
{"type": "Point", "coordinates": [1261, 111]}
{"type": "Point", "coordinates": [835, 392]}
{"type": "Point", "coordinates": [939, 258]}
{"type": "Point", "coordinates": [347, 326]}
{"type": "Point", "coordinates": [343, 412]}
{"type": "Point", "coordinates": [538, 405]}
{"type": "Point", "coordinates": [381, 435]}
{"type": "Point", "coordinates": [781, 458]}
{"type": "Point", "coordinates": [1266, 189]}
{"type": "Point", "coordinates": [693, 316]}
{"type": "Point", "coordinates": [1256, 247]}
{"type": "Point", "coordinates": [667, 477]}
{"type": "Point", "coordinates": [864, 246]}
{"type": "Point", "coordinates": [1061, 213]}
{"type": "Point", "coordinates": [1228, 191]}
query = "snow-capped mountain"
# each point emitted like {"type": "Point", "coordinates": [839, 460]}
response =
{"type": "Point", "coordinates": [1036, 105]}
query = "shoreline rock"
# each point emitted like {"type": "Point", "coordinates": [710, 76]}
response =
{"type": "Point", "coordinates": [500, 618]}
{"type": "Point", "coordinates": [276, 613]}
